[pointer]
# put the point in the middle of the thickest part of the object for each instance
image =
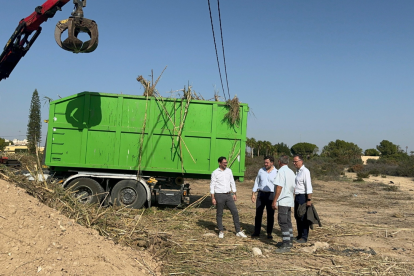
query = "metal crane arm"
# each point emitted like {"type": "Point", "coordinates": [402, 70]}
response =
{"type": "Point", "coordinates": [29, 29]}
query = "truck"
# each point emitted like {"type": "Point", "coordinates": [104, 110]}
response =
{"type": "Point", "coordinates": [11, 163]}
{"type": "Point", "coordinates": [131, 150]}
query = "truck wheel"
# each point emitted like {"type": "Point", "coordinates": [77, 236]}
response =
{"type": "Point", "coordinates": [86, 190]}
{"type": "Point", "coordinates": [130, 193]}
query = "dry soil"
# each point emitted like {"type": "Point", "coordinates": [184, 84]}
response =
{"type": "Point", "coordinates": [368, 227]}
{"type": "Point", "coordinates": [37, 240]}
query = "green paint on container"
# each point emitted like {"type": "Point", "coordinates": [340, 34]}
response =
{"type": "Point", "coordinates": [101, 131]}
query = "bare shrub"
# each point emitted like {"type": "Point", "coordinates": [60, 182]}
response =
{"type": "Point", "coordinates": [390, 188]}
{"type": "Point", "coordinates": [252, 167]}
{"type": "Point", "coordinates": [324, 168]}
{"type": "Point", "coordinates": [356, 168]}
{"type": "Point", "coordinates": [391, 166]}
{"type": "Point", "coordinates": [363, 174]}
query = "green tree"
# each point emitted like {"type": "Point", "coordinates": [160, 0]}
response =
{"type": "Point", "coordinates": [34, 131]}
{"type": "Point", "coordinates": [387, 148]}
{"type": "Point", "coordinates": [282, 149]}
{"type": "Point", "coordinates": [273, 150]}
{"type": "Point", "coordinates": [391, 151]}
{"type": "Point", "coordinates": [259, 146]}
{"type": "Point", "coordinates": [343, 152]}
{"type": "Point", "coordinates": [307, 150]}
{"type": "Point", "coordinates": [3, 144]}
{"type": "Point", "coordinates": [251, 143]}
{"type": "Point", "coordinates": [371, 152]}
{"type": "Point", "coordinates": [267, 147]}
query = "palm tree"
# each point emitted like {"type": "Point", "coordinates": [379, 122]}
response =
{"type": "Point", "coordinates": [267, 146]}
{"type": "Point", "coordinates": [251, 143]}
{"type": "Point", "coordinates": [275, 149]}
{"type": "Point", "coordinates": [259, 145]}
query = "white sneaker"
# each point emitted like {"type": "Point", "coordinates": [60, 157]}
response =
{"type": "Point", "coordinates": [241, 234]}
{"type": "Point", "coordinates": [221, 235]}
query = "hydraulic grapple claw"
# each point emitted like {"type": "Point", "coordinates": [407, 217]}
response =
{"type": "Point", "coordinates": [76, 25]}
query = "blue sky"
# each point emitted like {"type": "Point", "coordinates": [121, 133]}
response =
{"type": "Point", "coordinates": [311, 71]}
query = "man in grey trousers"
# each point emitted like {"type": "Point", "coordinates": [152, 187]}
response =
{"type": "Point", "coordinates": [223, 192]}
{"type": "Point", "coordinates": [283, 202]}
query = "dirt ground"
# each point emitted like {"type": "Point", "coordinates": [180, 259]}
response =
{"type": "Point", "coordinates": [368, 228]}
{"type": "Point", "coordinates": [37, 240]}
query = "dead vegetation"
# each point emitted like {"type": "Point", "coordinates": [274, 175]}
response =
{"type": "Point", "coordinates": [149, 86]}
{"type": "Point", "coordinates": [188, 92]}
{"type": "Point", "coordinates": [186, 242]}
{"type": "Point", "coordinates": [233, 114]}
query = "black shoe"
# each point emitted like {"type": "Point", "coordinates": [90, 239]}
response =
{"type": "Point", "coordinates": [301, 240]}
{"type": "Point", "coordinates": [255, 236]}
{"type": "Point", "coordinates": [269, 237]}
{"type": "Point", "coordinates": [295, 239]}
{"type": "Point", "coordinates": [280, 244]}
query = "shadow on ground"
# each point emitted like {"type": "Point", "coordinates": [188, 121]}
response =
{"type": "Point", "coordinates": [206, 203]}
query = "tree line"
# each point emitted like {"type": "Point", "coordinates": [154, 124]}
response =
{"type": "Point", "coordinates": [340, 150]}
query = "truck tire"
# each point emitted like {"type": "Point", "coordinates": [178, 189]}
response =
{"type": "Point", "coordinates": [129, 193]}
{"type": "Point", "coordinates": [87, 190]}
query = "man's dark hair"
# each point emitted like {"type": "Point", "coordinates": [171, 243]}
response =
{"type": "Point", "coordinates": [271, 158]}
{"type": "Point", "coordinates": [298, 156]}
{"type": "Point", "coordinates": [221, 159]}
{"type": "Point", "coordinates": [284, 159]}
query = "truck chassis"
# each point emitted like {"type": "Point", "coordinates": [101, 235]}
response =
{"type": "Point", "coordinates": [125, 189]}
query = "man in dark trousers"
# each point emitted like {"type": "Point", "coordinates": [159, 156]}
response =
{"type": "Point", "coordinates": [223, 193]}
{"type": "Point", "coordinates": [283, 202]}
{"type": "Point", "coordinates": [265, 194]}
{"type": "Point", "coordinates": [303, 194]}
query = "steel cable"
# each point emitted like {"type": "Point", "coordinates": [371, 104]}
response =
{"type": "Point", "coordinates": [222, 46]}
{"type": "Point", "coordinates": [215, 46]}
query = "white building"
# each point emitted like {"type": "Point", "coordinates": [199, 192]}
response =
{"type": "Point", "coordinates": [20, 142]}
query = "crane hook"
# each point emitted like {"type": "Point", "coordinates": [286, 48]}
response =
{"type": "Point", "coordinates": [76, 24]}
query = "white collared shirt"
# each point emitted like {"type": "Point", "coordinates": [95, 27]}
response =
{"type": "Point", "coordinates": [303, 183]}
{"type": "Point", "coordinates": [222, 181]}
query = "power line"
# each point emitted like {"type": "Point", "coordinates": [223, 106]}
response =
{"type": "Point", "coordinates": [222, 46]}
{"type": "Point", "coordinates": [215, 46]}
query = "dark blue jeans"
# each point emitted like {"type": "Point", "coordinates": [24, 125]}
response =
{"type": "Point", "coordinates": [264, 200]}
{"type": "Point", "coordinates": [301, 222]}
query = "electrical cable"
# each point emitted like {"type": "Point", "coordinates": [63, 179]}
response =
{"type": "Point", "coordinates": [222, 46]}
{"type": "Point", "coordinates": [215, 46]}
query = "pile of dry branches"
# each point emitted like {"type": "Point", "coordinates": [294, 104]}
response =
{"type": "Point", "coordinates": [233, 114]}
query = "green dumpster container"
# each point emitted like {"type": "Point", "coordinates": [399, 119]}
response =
{"type": "Point", "coordinates": [157, 136]}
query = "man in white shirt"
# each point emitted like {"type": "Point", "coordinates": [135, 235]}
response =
{"type": "Point", "coordinates": [223, 193]}
{"type": "Point", "coordinates": [283, 202]}
{"type": "Point", "coordinates": [265, 194]}
{"type": "Point", "coordinates": [303, 194]}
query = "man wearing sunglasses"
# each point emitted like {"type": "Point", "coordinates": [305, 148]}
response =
{"type": "Point", "coordinates": [223, 193]}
